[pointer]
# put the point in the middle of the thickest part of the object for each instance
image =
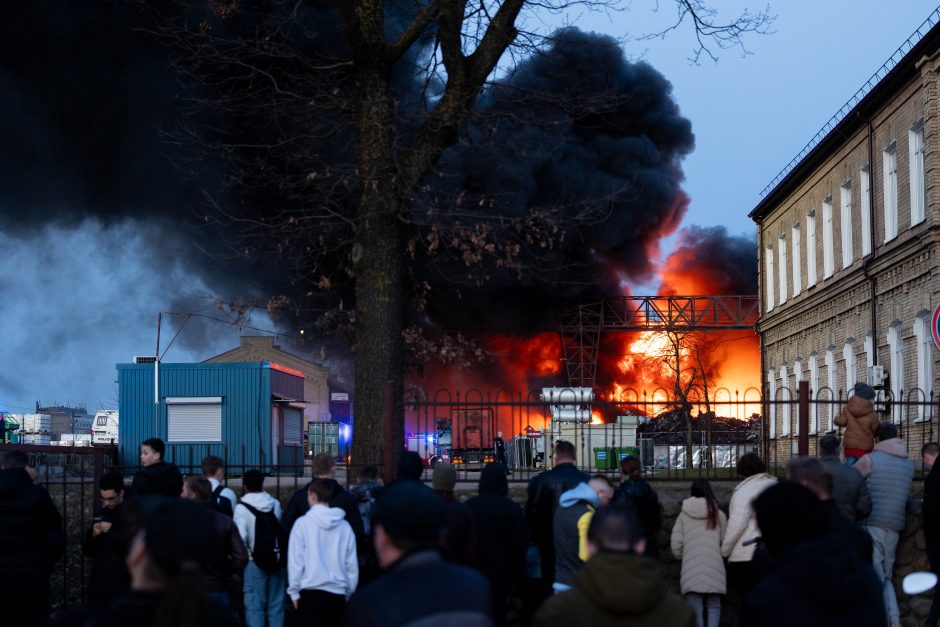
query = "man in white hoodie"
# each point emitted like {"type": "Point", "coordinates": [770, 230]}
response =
{"type": "Point", "coordinates": [263, 587]}
{"type": "Point", "coordinates": [322, 567]}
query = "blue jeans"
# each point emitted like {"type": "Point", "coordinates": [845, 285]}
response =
{"type": "Point", "coordinates": [265, 595]}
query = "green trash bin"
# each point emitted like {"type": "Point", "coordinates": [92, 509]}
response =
{"type": "Point", "coordinates": [605, 458]}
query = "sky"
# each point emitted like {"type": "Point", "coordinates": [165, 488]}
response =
{"type": "Point", "coordinates": [82, 296]}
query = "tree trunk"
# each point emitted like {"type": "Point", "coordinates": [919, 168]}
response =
{"type": "Point", "coordinates": [377, 258]}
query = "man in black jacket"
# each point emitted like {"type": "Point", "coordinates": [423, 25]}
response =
{"type": "Point", "coordinates": [544, 490]}
{"type": "Point", "coordinates": [324, 467]}
{"type": "Point", "coordinates": [31, 541]}
{"type": "Point", "coordinates": [417, 586]}
{"type": "Point", "coordinates": [107, 542]}
{"type": "Point", "coordinates": [929, 453]}
{"type": "Point", "coordinates": [156, 476]}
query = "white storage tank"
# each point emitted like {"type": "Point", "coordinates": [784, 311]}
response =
{"type": "Point", "coordinates": [35, 438]}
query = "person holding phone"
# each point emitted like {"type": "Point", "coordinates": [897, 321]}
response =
{"type": "Point", "coordinates": [105, 543]}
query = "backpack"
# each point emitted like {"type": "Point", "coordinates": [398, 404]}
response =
{"type": "Point", "coordinates": [222, 503]}
{"type": "Point", "coordinates": [266, 552]}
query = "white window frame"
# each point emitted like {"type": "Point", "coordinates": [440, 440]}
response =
{"type": "Point", "coordinates": [797, 259]}
{"type": "Point", "coordinates": [832, 383]}
{"type": "Point", "coordinates": [915, 142]}
{"type": "Point", "coordinates": [814, 394]}
{"type": "Point", "coordinates": [183, 411]}
{"type": "Point", "coordinates": [851, 368]}
{"type": "Point", "coordinates": [925, 348]}
{"type": "Point", "coordinates": [869, 349]}
{"type": "Point", "coordinates": [769, 276]}
{"type": "Point", "coordinates": [782, 267]}
{"type": "Point", "coordinates": [896, 361]}
{"type": "Point", "coordinates": [787, 396]}
{"type": "Point", "coordinates": [889, 166]}
{"type": "Point", "coordinates": [829, 261]}
{"type": "Point", "coordinates": [865, 204]}
{"type": "Point", "coordinates": [810, 249]}
{"type": "Point", "coordinates": [772, 403]}
{"type": "Point", "coordinates": [845, 225]}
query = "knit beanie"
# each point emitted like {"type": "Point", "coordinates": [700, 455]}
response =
{"type": "Point", "coordinates": [863, 390]}
{"type": "Point", "coordinates": [444, 477]}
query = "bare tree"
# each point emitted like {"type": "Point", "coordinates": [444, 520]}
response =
{"type": "Point", "coordinates": [336, 118]}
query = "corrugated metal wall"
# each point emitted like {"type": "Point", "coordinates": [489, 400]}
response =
{"type": "Point", "coordinates": [245, 389]}
{"type": "Point", "coordinates": [287, 385]}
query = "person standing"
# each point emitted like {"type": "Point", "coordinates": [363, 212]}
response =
{"type": "Point", "coordinates": [213, 469]}
{"type": "Point", "coordinates": [499, 450]}
{"type": "Point", "coordinates": [617, 586]}
{"type": "Point", "coordinates": [417, 586]}
{"type": "Point", "coordinates": [741, 535]}
{"type": "Point", "coordinates": [156, 476]}
{"type": "Point", "coordinates": [459, 539]}
{"type": "Point", "coordinates": [696, 540]}
{"type": "Point", "coordinates": [576, 507]}
{"type": "Point", "coordinates": [929, 453]}
{"type": "Point", "coordinates": [636, 490]}
{"type": "Point", "coordinates": [502, 538]}
{"type": "Point", "coordinates": [229, 555]}
{"type": "Point", "coordinates": [324, 467]}
{"type": "Point", "coordinates": [31, 540]}
{"type": "Point", "coordinates": [860, 422]}
{"type": "Point", "coordinates": [848, 484]}
{"type": "Point", "coordinates": [544, 491]}
{"type": "Point", "coordinates": [322, 567]}
{"type": "Point", "coordinates": [257, 518]}
{"type": "Point", "coordinates": [889, 473]}
{"type": "Point", "coordinates": [107, 542]}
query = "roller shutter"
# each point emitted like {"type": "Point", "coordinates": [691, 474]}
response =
{"type": "Point", "coordinates": [196, 419]}
{"type": "Point", "coordinates": [293, 426]}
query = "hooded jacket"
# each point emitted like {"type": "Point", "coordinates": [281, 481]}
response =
{"type": "Point", "coordinates": [617, 589]}
{"type": "Point", "coordinates": [575, 510]}
{"type": "Point", "coordinates": [699, 548]}
{"type": "Point", "coordinates": [848, 488]}
{"type": "Point", "coordinates": [888, 473]}
{"type": "Point", "coordinates": [245, 520]}
{"type": "Point", "coordinates": [297, 506]}
{"type": "Point", "coordinates": [501, 533]}
{"type": "Point", "coordinates": [860, 422]}
{"type": "Point", "coordinates": [742, 524]}
{"type": "Point", "coordinates": [821, 583]}
{"type": "Point", "coordinates": [30, 530]}
{"type": "Point", "coordinates": [321, 554]}
{"type": "Point", "coordinates": [161, 478]}
{"type": "Point", "coordinates": [544, 490]}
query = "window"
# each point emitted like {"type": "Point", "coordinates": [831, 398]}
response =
{"type": "Point", "coordinates": [865, 203]}
{"type": "Point", "coordinates": [782, 252]}
{"type": "Point", "coordinates": [828, 255]}
{"type": "Point", "coordinates": [769, 276]}
{"type": "Point", "coordinates": [915, 142]}
{"type": "Point", "coordinates": [924, 362]}
{"type": "Point", "coordinates": [811, 249]}
{"type": "Point", "coordinates": [814, 393]}
{"type": "Point", "coordinates": [896, 351]}
{"type": "Point", "coordinates": [194, 419]}
{"type": "Point", "coordinates": [869, 349]}
{"type": "Point", "coordinates": [797, 259]}
{"type": "Point", "coordinates": [786, 397]}
{"type": "Point", "coordinates": [771, 402]}
{"type": "Point", "coordinates": [831, 382]}
{"type": "Point", "coordinates": [848, 356]}
{"type": "Point", "coordinates": [845, 224]}
{"type": "Point", "coordinates": [889, 160]}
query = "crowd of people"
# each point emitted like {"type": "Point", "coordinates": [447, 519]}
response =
{"type": "Point", "coordinates": [815, 548]}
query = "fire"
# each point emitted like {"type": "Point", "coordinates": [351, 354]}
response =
{"type": "Point", "coordinates": [596, 418]}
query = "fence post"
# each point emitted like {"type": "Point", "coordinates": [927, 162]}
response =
{"type": "Point", "coordinates": [803, 419]}
{"type": "Point", "coordinates": [388, 433]}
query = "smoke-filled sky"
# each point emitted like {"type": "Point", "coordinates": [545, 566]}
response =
{"type": "Point", "coordinates": [96, 222]}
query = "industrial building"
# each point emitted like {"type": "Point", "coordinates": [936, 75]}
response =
{"type": "Point", "coordinates": [249, 413]}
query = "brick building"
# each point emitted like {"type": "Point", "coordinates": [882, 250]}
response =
{"type": "Point", "coordinates": [849, 253]}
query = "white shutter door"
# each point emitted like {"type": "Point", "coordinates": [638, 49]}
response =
{"type": "Point", "coordinates": [194, 423]}
{"type": "Point", "coordinates": [293, 427]}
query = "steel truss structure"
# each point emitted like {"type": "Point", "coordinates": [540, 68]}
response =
{"type": "Point", "coordinates": [582, 324]}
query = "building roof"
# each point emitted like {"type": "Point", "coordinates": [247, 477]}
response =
{"type": "Point", "coordinates": [854, 114]}
{"type": "Point", "coordinates": [266, 343]}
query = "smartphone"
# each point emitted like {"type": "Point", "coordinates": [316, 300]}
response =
{"type": "Point", "coordinates": [96, 519]}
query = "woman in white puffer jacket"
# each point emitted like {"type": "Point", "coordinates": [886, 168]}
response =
{"type": "Point", "coordinates": [696, 540]}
